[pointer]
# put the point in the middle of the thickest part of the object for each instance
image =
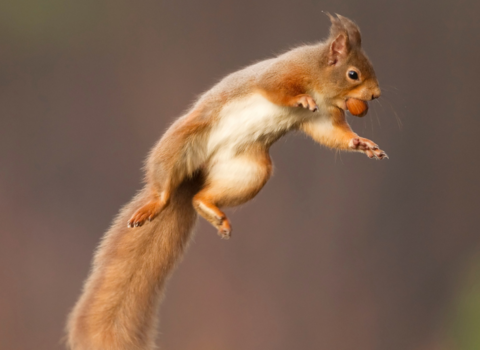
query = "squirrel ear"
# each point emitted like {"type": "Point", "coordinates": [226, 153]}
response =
{"type": "Point", "coordinates": [338, 49]}
{"type": "Point", "coordinates": [352, 30]}
{"type": "Point", "coordinates": [339, 45]}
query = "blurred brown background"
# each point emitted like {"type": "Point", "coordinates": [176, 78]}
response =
{"type": "Point", "coordinates": [337, 252]}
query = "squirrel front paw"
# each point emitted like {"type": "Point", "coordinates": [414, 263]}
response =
{"type": "Point", "coordinates": [368, 147]}
{"type": "Point", "coordinates": [305, 101]}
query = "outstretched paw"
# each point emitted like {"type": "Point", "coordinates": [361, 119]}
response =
{"type": "Point", "coordinates": [368, 147]}
{"type": "Point", "coordinates": [147, 212]}
{"type": "Point", "coordinates": [306, 101]}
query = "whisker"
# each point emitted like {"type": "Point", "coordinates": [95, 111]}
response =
{"type": "Point", "coordinates": [398, 92]}
{"type": "Point", "coordinates": [373, 133]}
{"type": "Point", "coordinates": [340, 156]}
{"type": "Point", "coordinates": [376, 114]}
{"type": "Point", "coordinates": [390, 87]}
{"type": "Point", "coordinates": [397, 117]}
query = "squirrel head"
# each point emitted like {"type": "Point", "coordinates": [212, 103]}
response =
{"type": "Point", "coordinates": [347, 68]}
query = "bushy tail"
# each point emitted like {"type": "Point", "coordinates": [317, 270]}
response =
{"type": "Point", "coordinates": [118, 307]}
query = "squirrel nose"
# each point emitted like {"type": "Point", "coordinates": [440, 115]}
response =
{"type": "Point", "coordinates": [376, 94]}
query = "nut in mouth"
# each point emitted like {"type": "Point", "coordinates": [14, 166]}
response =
{"type": "Point", "coordinates": [356, 107]}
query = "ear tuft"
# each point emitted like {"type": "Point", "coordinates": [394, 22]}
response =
{"type": "Point", "coordinates": [336, 27]}
{"type": "Point", "coordinates": [352, 30]}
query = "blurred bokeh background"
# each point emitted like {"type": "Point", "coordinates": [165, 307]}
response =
{"type": "Point", "coordinates": [337, 252]}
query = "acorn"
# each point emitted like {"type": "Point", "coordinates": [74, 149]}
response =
{"type": "Point", "coordinates": [357, 107]}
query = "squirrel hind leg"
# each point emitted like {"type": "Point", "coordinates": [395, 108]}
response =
{"type": "Point", "coordinates": [203, 204]}
{"type": "Point", "coordinates": [231, 182]}
{"type": "Point", "coordinates": [150, 210]}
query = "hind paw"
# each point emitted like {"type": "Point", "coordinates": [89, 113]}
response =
{"type": "Point", "coordinates": [147, 212]}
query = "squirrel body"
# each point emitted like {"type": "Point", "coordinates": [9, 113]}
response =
{"type": "Point", "coordinates": [217, 155]}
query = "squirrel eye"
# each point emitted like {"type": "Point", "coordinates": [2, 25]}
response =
{"type": "Point", "coordinates": [353, 75]}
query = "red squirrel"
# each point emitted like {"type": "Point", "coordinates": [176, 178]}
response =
{"type": "Point", "coordinates": [217, 155]}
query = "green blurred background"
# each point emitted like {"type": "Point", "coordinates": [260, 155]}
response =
{"type": "Point", "coordinates": [337, 252]}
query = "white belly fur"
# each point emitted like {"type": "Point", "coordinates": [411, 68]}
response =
{"type": "Point", "coordinates": [244, 122]}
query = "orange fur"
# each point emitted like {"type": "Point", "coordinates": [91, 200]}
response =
{"type": "Point", "coordinates": [216, 155]}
